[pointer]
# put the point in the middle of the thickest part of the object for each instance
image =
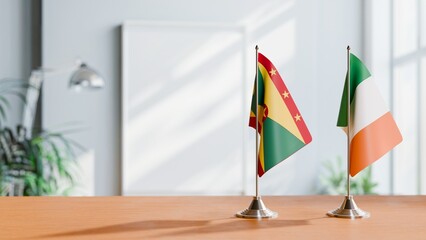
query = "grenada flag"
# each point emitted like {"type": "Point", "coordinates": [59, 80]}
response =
{"type": "Point", "coordinates": [281, 127]}
{"type": "Point", "coordinates": [373, 131]}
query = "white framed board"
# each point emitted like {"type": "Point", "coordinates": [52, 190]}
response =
{"type": "Point", "coordinates": [184, 108]}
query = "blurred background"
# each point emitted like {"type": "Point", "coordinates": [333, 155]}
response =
{"type": "Point", "coordinates": [172, 116]}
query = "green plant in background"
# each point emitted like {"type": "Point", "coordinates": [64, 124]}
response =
{"type": "Point", "coordinates": [335, 179]}
{"type": "Point", "coordinates": [39, 165]}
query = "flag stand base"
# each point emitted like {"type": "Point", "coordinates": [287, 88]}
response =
{"type": "Point", "coordinates": [257, 209]}
{"type": "Point", "coordinates": [348, 209]}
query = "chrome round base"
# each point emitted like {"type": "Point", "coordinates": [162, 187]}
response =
{"type": "Point", "coordinates": [349, 209]}
{"type": "Point", "coordinates": [257, 209]}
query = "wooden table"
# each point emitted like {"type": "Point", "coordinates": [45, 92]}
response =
{"type": "Point", "coordinates": [301, 217]}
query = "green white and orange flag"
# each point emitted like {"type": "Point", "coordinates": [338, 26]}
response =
{"type": "Point", "coordinates": [373, 131]}
{"type": "Point", "coordinates": [281, 127]}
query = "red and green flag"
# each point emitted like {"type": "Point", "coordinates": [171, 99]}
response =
{"type": "Point", "coordinates": [281, 126]}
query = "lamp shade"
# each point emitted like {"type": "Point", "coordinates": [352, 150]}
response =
{"type": "Point", "coordinates": [86, 77]}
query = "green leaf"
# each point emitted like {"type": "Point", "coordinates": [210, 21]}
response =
{"type": "Point", "coordinates": [4, 101]}
{"type": "Point", "coordinates": [2, 113]}
{"type": "Point", "coordinates": [46, 160]}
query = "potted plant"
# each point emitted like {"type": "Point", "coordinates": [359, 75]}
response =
{"type": "Point", "coordinates": [38, 165]}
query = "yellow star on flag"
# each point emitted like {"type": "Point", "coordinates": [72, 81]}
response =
{"type": "Point", "coordinates": [297, 117]}
{"type": "Point", "coordinates": [286, 94]}
{"type": "Point", "coordinates": [273, 72]}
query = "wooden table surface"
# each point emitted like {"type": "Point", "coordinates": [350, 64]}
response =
{"type": "Point", "coordinates": [300, 217]}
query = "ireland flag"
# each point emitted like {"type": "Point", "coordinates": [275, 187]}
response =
{"type": "Point", "coordinates": [373, 131]}
{"type": "Point", "coordinates": [281, 126]}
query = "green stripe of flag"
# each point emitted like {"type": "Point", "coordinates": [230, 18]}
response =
{"type": "Point", "coordinates": [261, 94]}
{"type": "Point", "coordinates": [358, 74]}
{"type": "Point", "coordinates": [278, 143]}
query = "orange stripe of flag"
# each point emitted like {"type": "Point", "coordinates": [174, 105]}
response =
{"type": "Point", "coordinates": [373, 141]}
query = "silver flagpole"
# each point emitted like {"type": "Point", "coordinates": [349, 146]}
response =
{"type": "Point", "coordinates": [257, 208]}
{"type": "Point", "coordinates": [348, 150]}
{"type": "Point", "coordinates": [257, 121]}
{"type": "Point", "coordinates": [348, 209]}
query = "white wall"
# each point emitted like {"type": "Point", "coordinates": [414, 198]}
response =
{"type": "Point", "coordinates": [306, 40]}
{"type": "Point", "coordinates": [340, 23]}
{"type": "Point", "coordinates": [393, 43]}
{"type": "Point", "coordinates": [15, 47]}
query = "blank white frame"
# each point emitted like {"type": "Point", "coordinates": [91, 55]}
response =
{"type": "Point", "coordinates": [130, 26]}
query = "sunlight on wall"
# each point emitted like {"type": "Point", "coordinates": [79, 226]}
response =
{"type": "Point", "coordinates": [187, 98]}
{"type": "Point", "coordinates": [173, 69]}
{"type": "Point", "coordinates": [186, 118]}
{"type": "Point", "coordinates": [201, 55]}
{"type": "Point", "coordinates": [396, 35]}
{"type": "Point", "coordinates": [283, 36]}
{"type": "Point", "coordinates": [405, 34]}
{"type": "Point", "coordinates": [265, 13]}
{"type": "Point", "coordinates": [405, 105]}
